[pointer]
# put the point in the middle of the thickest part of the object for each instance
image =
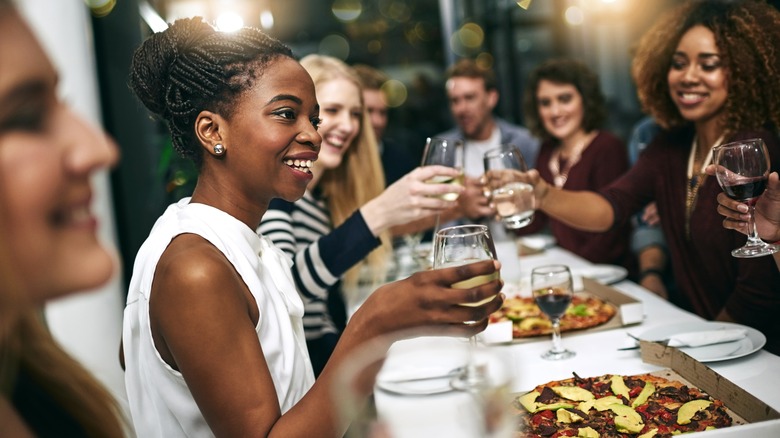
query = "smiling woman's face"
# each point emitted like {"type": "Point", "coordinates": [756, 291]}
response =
{"type": "Point", "coordinates": [341, 111]}
{"type": "Point", "coordinates": [47, 157]}
{"type": "Point", "coordinates": [697, 77]}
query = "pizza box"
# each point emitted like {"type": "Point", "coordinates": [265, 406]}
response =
{"type": "Point", "coordinates": [743, 406]}
{"type": "Point", "coordinates": [629, 311]}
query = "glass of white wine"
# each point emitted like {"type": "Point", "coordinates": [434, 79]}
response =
{"type": "Point", "coordinates": [444, 152]}
{"type": "Point", "coordinates": [513, 199]}
{"type": "Point", "coordinates": [461, 245]}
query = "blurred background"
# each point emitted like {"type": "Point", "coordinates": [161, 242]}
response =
{"type": "Point", "coordinates": [413, 41]}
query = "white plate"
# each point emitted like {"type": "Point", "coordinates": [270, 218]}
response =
{"type": "Point", "coordinates": [538, 241]}
{"type": "Point", "coordinates": [605, 274]}
{"type": "Point", "coordinates": [753, 342]}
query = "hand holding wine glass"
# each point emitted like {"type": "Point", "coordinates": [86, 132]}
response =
{"type": "Point", "coordinates": [742, 169]}
{"type": "Point", "coordinates": [552, 289]}
{"type": "Point", "coordinates": [460, 245]}
{"type": "Point", "coordinates": [513, 199]}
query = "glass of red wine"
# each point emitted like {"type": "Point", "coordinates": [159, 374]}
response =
{"type": "Point", "coordinates": [742, 169]}
{"type": "Point", "coordinates": [552, 290]}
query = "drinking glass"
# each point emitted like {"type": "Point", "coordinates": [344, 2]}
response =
{"type": "Point", "coordinates": [513, 199]}
{"type": "Point", "coordinates": [552, 290]}
{"type": "Point", "coordinates": [444, 152]}
{"type": "Point", "coordinates": [742, 169]}
{"type": "Point", "coordinates": [460, 245]}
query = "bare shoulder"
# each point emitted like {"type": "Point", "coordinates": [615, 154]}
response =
{"type": "Point", "coordinates": [194, 282]}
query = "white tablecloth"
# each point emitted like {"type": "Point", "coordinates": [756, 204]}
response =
{"type": "Point", "coordinates": [597, 352]}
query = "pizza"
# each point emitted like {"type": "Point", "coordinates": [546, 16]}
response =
{"type": "Point", "coordinates": [642, 406]}
{"type": "Point", "coordinates": [585, 311]}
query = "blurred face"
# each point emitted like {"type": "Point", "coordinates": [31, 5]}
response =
{"type": "Point", "coordinates": [697, 77]}
{"type": "Point", "coordinates": [341, 112]}
{"type": "Point", "coordinates": [471, 105]}
{"type": "Point", "coordinates": [272, 138]}
{"type": "Point", "coordinates": [560, 108]}
{"type": "Point", "coordinates": [47, 156]}
{"type": "Point", "coordinates": [377, 111]}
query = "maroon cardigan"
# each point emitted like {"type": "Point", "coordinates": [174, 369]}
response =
{"type": "Point", "coordinates": [602, 162]}
{"type": "Point", "coordinates": [708, 277]}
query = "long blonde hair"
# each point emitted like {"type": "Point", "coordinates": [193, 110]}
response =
{"type": "Point", "coordinates": [360, 177]}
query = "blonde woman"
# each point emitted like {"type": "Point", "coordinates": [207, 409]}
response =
{"type": "Point", "coordinates": [342, 224]}
{"type": "Point", "coordinates": [49, 247]}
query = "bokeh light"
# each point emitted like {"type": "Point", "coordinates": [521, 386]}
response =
{"type": "Point", "coordinates": [395, 92]}
{"type": "Point", "coordinates": [267, 19]}
{"type": "Point", "coordinates": [347, 10]}
{"type": "Point", "coordinates": [574, 15]}
{"type": "Point", "coordinates": [335, 45]}
{"type": "Point", "coordinates": [229, 21]}
{"type": "Point", "coordinates": [485, 60]}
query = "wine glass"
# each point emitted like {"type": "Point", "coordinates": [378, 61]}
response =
{"type": "Point", "coordinates": [460, 245]}
{"type": "Point", "coordinates": [742, 169]}
{"type": "Point", "coordinates": [444, 152]}
{"type": "Point", "coordinates": [398, 385]}
{"type": "Point", "coordinates": [552, 290]}
{"type": "Point", "coordinates": [513, 199]}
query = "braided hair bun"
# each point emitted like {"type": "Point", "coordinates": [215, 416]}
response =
{"type": "Point", "coordinates": [191, 67]}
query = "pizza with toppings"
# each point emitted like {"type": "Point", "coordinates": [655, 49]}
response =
{"type": "Point", "coordinates": [642, 406]}
{"type": "Point", "coordinates": [585, 311]}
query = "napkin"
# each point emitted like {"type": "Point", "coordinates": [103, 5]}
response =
{"type": "Point", "coordinates": [706, 337]}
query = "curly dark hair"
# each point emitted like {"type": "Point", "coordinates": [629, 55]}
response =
{"type": "Point", "coordinates": [191, 67]}
{"type": "Point", "coordinates": [565, 71]}
{"type": "Point", "coordinates": [747, 33]}
{"type": "Point", "coordinates": [469, 68]}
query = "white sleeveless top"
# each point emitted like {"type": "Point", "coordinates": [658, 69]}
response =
{"type": "Point", "coordinates": [161, 404]}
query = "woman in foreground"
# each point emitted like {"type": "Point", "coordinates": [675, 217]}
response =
{"type": "Point", "coordinates": [49, 247]}
{"type": "Point", "coordinates": [213, 337]}
{"type": "Point", "coordinates": [708, 73]}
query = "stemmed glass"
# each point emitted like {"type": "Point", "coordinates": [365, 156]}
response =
{"type": "Point", "coordinates": [742, 169]}
{"type": "Point", "coordinates": [444, 152]}
{"type": "Point", "coordinates": [512, 198]}
{"type": "Point", "coordinates": [456, 246]}
{"type": "Point", "coordinates": [552, 290]}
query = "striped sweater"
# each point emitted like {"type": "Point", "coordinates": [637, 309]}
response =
{"type": "Point", "coordinates": [320, 253]}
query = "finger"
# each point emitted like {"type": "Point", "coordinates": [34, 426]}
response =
{"type": "Point", "coordinates": [426, 172]}
{"type": "Point", "coordinates": [448, 276]}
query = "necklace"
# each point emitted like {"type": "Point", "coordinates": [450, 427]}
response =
{"type": "Point", "coordinates": [561, 175]}
{"type": "Point", "coordinates": [695, 182]}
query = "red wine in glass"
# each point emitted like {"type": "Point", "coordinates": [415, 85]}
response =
{"type": "Point", "coordinates": [553, 302]}
{"type": "Point", "coordinates": [742, 168]}
{"type": "Point", "coordinates": [552, 289]}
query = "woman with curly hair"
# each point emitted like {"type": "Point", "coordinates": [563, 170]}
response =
{"type": "Point", "coordinates": [708, 73]}
{"type": "Point", "coordinates": [213, 334]}
{"type": "Point", "coordinates": [564, 106]}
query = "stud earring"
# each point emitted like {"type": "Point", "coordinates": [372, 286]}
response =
{"type": "Point", "coordinates": [219, 149]}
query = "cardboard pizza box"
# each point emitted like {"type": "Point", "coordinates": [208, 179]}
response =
{"type": "Point", "coordinates": [743, 406]}
{"type": "Point", "coordinates": [630, 309]}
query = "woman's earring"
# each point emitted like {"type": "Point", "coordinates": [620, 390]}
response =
{"type": "Point", "coordinates": [219, 149]}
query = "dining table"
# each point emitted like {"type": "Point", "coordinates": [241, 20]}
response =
{"type": "Point", "coordinates": [600, 352]}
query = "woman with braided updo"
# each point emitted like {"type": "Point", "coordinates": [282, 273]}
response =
{"type": "Point", "coordinates": [708, 73]}
{"type": "Point", "coordinates": [213, 337]}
